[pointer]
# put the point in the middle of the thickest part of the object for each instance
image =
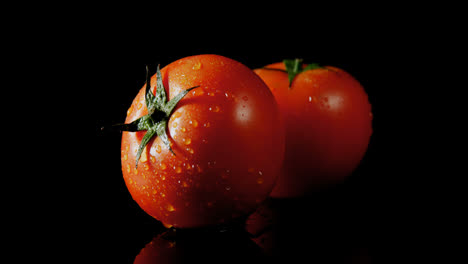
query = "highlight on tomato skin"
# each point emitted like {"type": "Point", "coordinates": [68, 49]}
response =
{"type": "Point", "coordinates": [328, 124]}
{"type": "Point", "coordinates": [224, 149]}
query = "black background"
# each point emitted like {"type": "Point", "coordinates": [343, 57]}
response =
{"type": "Point", "coordinates": [353, 221]}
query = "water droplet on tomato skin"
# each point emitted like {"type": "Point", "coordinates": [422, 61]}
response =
{"type": "Point", "coordinates": [245, 98]}
{"type": "Point", "coordinates": [194, 123]}
{"type": "Point", "coordinates": [130, 110]}
{"type": "Point", "coordinates": [197, 66]}
{"type": "Point", "coordinates": [167, 225]}
{"type": "Point", "coordinates": [143, 157]}
{"type": "Point", "coordinates": [176, 115]}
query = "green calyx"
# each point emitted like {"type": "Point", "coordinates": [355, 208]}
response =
{"type": "Point", "coordinates": [159, 112]}
{"type": "Point", "coordinates": [294, 67]}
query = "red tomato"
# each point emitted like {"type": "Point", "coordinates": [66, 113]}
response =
{"type": "Point", "coordinates": [328, 122]}
{"type": "Point", "coordinates": [227, 140]}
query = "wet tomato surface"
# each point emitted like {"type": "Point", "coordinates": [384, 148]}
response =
{"type": "Point", "coordinates": [227, 142]}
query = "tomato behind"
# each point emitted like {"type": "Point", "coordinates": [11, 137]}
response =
{"type": "Point", "coordinates": [328, 124]}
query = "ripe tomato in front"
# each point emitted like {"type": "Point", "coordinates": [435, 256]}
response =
{"type": "Point", "coordinates": [328, 124]}
{"type": "Point", "coordinates": [227, 140]}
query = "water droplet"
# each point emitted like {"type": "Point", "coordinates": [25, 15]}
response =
{"type": "Point", "coordinates": [310, 98]}
{"type": "Point", "coordinates": [216, 109]}
{"type": "Point", "coordinates": [128, 168]}
{"type": "Point", "coordinates": [163, 166]}
{"type": "Point", "coordinates": [174, 124]}
{"type": "Point", "coordinates": [207, 124]}
{"type": "Point", "coordinates": [143, 157]}
{"type": "Point", "coordinates": [125, 157]}
{"type": "Point", "coordinates": [170, 208]}
{"type": "Point", "coordinates": [198, 92]}
{"type": "Point", "coordinates": [183, 129]}
{"type": "Point", "coordinates": [245, 98]}
{"type": "Point", "coordinates": [260, 172]}
{"type": "Point", "coordinates": [190, 150]}
{"type": "Point", "coordinates": [197, 66]}
{"type": "Point", "coordinates": [184, 184]}
{"type": "Point", "coordinates": [194, 123]}
{"type": "Point", "coordinates": [130, 110]}
{"type": "Point", "coordinates": [228, 188]}
{"type": "Point", "coordinates": [139, 105]}
{"type": "Point", "coordinates": [178, 169]}
{"type": "Point", "coordinates": [227, 95]}
{"type": "Point", "coordinates": [176, 114]}
{"type": "Point", "coordinates": [152, 159]}
{"type": "Point", "coordinates": [158, 148]}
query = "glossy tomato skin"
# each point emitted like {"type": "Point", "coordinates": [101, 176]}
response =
{"type": "Point", "coordinates": [328, 122]}
{"type": "Point", "coordinates": [228, 141]}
